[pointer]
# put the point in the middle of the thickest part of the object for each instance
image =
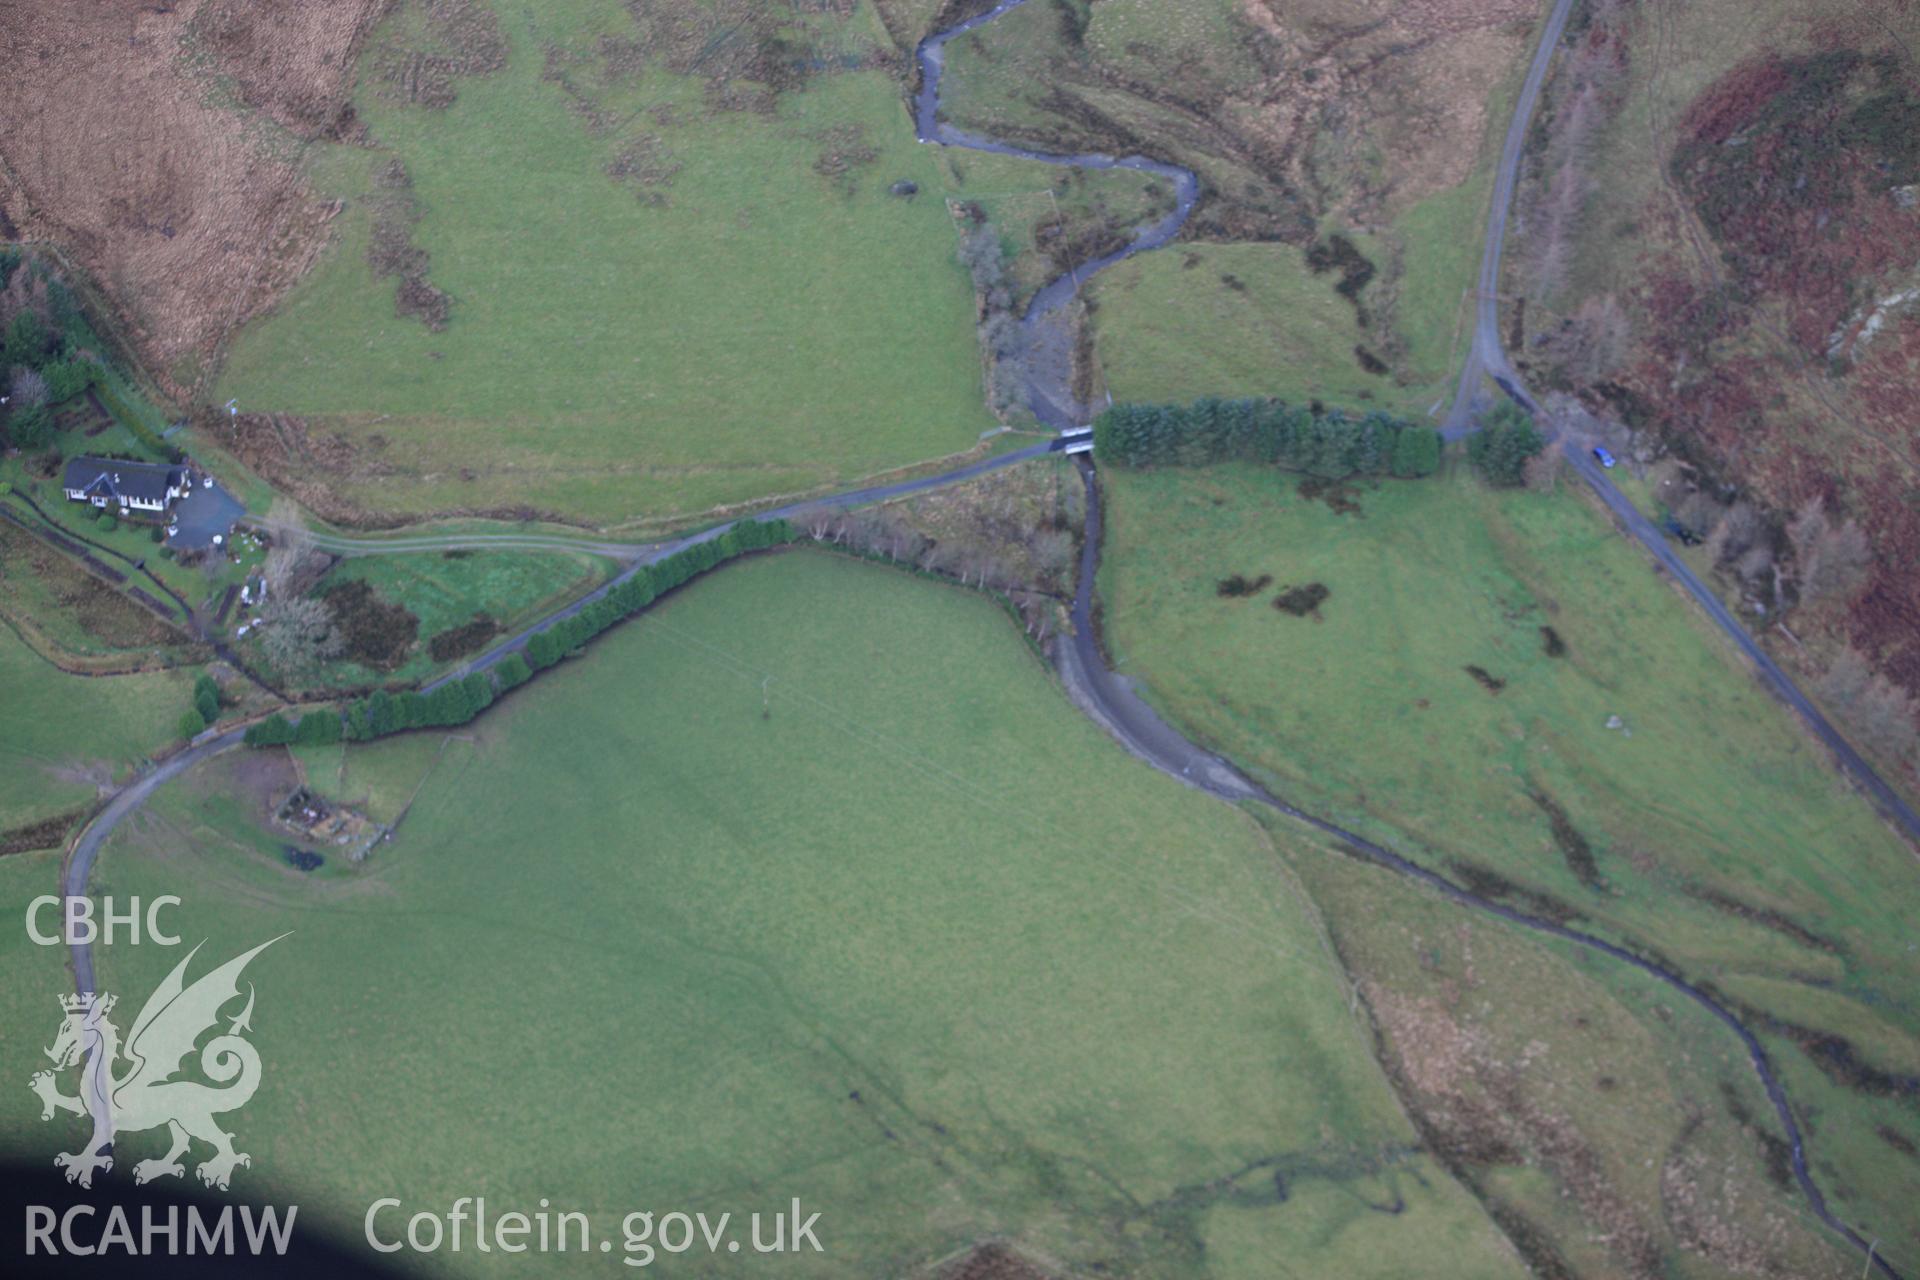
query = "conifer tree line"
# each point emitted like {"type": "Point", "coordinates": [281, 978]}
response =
{"type": "Point", "coordinates": [1323, 442]}
{"type": "Point", "coordinates": [458, 701]}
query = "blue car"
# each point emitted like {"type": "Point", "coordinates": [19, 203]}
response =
{"type": "Point", "coordinates": [1606, 459]}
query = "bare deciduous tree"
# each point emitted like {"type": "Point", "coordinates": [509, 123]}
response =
{"type": "Point", "coordinates": [1591, 343]}
{"type": "Point", "coordinates": [1831, 558]}
{"type": "Point", "coordinates": [1552, 209]}
{"type": "Point", "coordinates": [1873, 706]}
{"type": "Point", "coordinates": [817, 521]}
{"type": "Point", "coordinates": [26, 389]}
{"type": "Point", "coordinates": [1541, 472]}
{"type": "Point", "coordinates": [298, 633]}
{"type": "Point", "coordinates": [1739, 529]}
{"type": "Point", "coordinates": [292, 550]}
{"type": "Point", "coordinates": [1052, 552]}
{"type": "Point", "coordinates": [26, 291]}
{"type": "Point", "coordinates": [1001, 341]}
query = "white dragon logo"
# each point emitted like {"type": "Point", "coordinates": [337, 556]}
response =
{"type": "Point", "coordinates": [146, 1095]}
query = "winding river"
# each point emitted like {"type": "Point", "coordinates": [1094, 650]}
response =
{"type": "Point", "coordinates": [1048, 332]}
{"type": "Point", "coordinates": [1104, 696]}
{"type": "Point", "coordinates": [1046, 327]}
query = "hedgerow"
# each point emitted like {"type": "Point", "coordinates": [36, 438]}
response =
{"type": "Point", "coordinates": [458, 701]}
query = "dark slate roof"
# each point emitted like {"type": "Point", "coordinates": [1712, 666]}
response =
{"type": "Point", "coordinates": [115, 477]}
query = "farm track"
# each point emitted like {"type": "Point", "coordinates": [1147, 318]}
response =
{"type": "Point", "coordinates": [412, 543]}
{"type": "Point", "coordinates": [1109, 699]}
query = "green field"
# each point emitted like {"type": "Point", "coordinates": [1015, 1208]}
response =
{"type": "Point", "coordinates": [37, 977]}
{"type": "Point", "coordinates": [1255, 319]}
{"type": "Point", "coordinates": [725, 324]}
{"type": "Point", "coordinates": [1703, 827]}
{"type": "Point", "coordinates": [1231, 320]}
{"type": "Point", "coordinates": [910, 940]}
{"type": "Point", "coordinates": [62, 734]}
{"type": "Point", "coordinates": [444, 590]}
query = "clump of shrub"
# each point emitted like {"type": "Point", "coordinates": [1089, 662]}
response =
{"type": "Point", "coordinates": [316, 728]}
{"type": "Point", "coordinates": [302, 859]}
{"type": "Point", "coordinates": [1303, 600]}
{"type": "Point", "coordinates": [512, 671]}
{"type": "Point", "coordinates": [457, 642]}
{"type": "Point", "coordinates": [1235, 585]}
{"type": "Point", "coordinates": [373, 631]}
{"type": "Point", "coordinates": [205, 709]}
{"type": "Point", "coordinates": [206, 697]}
{"type": "Point", "coordinates": [1500, 449]}
{"type": "Point", "coordinates": [1337, 253]}
{"type": "Point", "coordinates": [1485, 679]}
{"type": "Point", "coordinates": [1551, 642]}
{"type": "Point", "coordinates": [982, 254]}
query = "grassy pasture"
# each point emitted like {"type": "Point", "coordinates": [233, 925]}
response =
{"type": "Point", "coordinates": [1704, 828]}
{"type": "Point", "coordinates": [445, 590]}
{"type": "Point", "coordinates": [36, 977]}
{"type": "Point", "coordinates": [729, 324]}
{"type": "Point", "coordinates": [914, 943]}
{"type": "Point", "coordinates": [1231, 320]}
{"type": "Point", "coordinates": [59, 732]}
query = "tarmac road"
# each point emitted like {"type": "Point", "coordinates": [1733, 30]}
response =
{"type": "Point", "coordinates": [1487, 356]}
{"type": "Point", "coordinates": [79, 862]}
{"type": "Point", "coordinates": [378, 546]}
{"type": "Point", "coordinates": [1863, 775]}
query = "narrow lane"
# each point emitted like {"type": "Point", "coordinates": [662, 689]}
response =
{"type": "Point", "coordinates": [1486, 355]}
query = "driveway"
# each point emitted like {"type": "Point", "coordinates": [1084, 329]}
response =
{"type": "Point", "coordinates": [207, 511]}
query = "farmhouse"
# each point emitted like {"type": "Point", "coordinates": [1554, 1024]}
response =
{"type": "Point", "coordinates": [135, 486]}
